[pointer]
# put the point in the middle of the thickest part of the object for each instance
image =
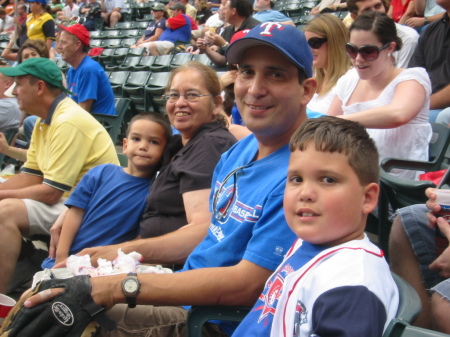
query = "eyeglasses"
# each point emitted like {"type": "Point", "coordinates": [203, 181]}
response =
{"type": "Point", "coordinates": [190, 97]}
{"type": "Point", "coordinates": [224, 195]}
{"type": "Point", "coordinates": [368, 52]}
{"type": "Point", "coordinates": [317, 42]}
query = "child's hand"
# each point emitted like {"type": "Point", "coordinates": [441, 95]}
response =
{"type": "Point", "coordinates": [55, 232]}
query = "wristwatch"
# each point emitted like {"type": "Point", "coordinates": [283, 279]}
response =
{"type": "Point", "coordinates": [425, 21]}
{"type": "Point", "coordinates": [225, 46]}
{"type": "Point", "coordinates": [131, 287]}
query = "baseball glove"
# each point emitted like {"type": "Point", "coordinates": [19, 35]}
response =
{"type": "Point", "coordinates": [70, 313]}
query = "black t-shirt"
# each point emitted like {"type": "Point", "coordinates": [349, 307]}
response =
{"type": "Point", "coordinates": [191, 169]}
{"type": "Point", "coordinates": [433, 53]}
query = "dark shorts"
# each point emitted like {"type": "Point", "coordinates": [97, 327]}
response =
{"type": "Point", "coordinates": [422, 240]}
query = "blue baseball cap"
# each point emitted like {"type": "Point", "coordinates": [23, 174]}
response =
{"type": "Point", "coordinates": [44, 2]}
{"type": "Point", "coordinates": [288, 40]}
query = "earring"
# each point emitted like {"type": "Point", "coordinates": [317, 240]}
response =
{"type": "Point", "coordinates": [389, 54]}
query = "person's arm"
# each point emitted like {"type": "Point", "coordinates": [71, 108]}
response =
{"type": "Point", "coordinates": [11, 151]}
{"type": "Point", "coordinates": [236, 285]}
{"type": "Point", "coordinates": [7, 52]}
{"type": "Point", "coordinates": [87, 104]}
{"type": "Point", "coordinates": [315, 10]}
{"type": "Point", "coordinates": [389, 12]}
{"type": "Point", "coordinates": [55, 233]}
{"type": "Point", "coordinates": [27, 186]}
{"type": "Point", "coordinates": [49, 31]}
{"type": "Point", "coordinates": [215, 57]}
{"type": "Point", "coordinates": [409, 13]}
{"type": "Point", "coordinates": [155, 37]}
{"type": "Point", "coordinates": [419, 6]}
{"type": "Point", "coordinates": [417, 22]}
{"type": "Point", "coordinates": [407, 102]}
{"type": "Point", "coordinates": [69, 230]}
{"type": "Point", "coordinates": [335, 108]}
{"type": "Point", "coordinates": [440, 99]}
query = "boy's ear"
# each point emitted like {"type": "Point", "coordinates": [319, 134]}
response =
{"type": "Point", "coordinates": [124, 146]}
{"type": "Point", "coordinates": [371, 192]}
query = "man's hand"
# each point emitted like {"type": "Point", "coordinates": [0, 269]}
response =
{"type": "Point", "coordinates": [60, 308]}
{"type": "Point", "coordinates": [415, 22]}
{"type": "Point", "coordinates": [442, 264]}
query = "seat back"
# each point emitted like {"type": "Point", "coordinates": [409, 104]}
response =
{"type": "Point", "coordinates": [123, 159]}
{"type": "Point", "coordinates": [409, 305]}
{"type": "Point", "coordinates": [399, 328]}
{"type": "Point", "coordinates": [112, 123]}
{"type": "Point", "coordinates": [439, 143]}
{"type": "Point", "coordinates": [199, 315]}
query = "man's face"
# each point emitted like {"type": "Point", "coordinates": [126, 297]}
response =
{"type": "Point", "coordinates": [370, 5]}
{"type": "Point", "coordinates": [228, 12]}
{"type": "Point", "coordinates": [67, 46]}
{"type": "Point", "coordinates": [269, 96]}
{"type": "Point", "coordinates": [176, 12]}
{"type": "Point", "coordinates": [261, 4]}
{"type": "Point", "coordinates": [26, 94]}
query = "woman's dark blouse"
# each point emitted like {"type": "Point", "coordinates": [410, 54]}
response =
{"type": "Point", "coordinates": [191, 169]}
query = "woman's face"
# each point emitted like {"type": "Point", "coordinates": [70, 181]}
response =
{"type": "Point", "coordinates": [370, 69]}
{"type": "Point", "coordinates": [187, 116]}
{"type": "Point", "coordinates": [158, 14]}
{"type": "Point", "coordinates": [320, 55]}
{"type": "Point", "coordinates": [29, 53]}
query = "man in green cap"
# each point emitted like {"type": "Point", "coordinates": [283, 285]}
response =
{"type": "Point", "coordinates": [66, 142]}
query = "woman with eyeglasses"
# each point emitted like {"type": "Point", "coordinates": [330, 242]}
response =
{"type": "Point", "coordinates": [326, 35]}
{"type": "Point", "coordinates": [180, 193]}
{"type": "Point", "coordinates": [392, 103]}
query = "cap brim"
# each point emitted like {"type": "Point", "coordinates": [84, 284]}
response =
{"type": "Point", "coordinates": [13, 71]}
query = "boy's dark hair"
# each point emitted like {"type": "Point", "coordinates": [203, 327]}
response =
{"type": "Point", "coordinates": [331, 134]}
{"type": "Point", "coordinates": [381, 25]}
{"type": "Point", "coordinates": [154, 117]}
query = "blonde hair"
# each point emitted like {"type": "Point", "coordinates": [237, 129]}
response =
{"type": "Point", "coordinates": [329, 26]}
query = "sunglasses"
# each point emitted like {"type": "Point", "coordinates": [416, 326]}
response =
{"type": "Point", "coordinates": [317, 42]}
{"type": "Point", "coordinates": [368, 52]}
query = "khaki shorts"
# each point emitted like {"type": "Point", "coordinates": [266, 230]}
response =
{"type": "Point", "coordinates": [149, 320]}
{"type": "Point", "coordinates": [162, 46]}
{"type": "Point", "coordinates": [42, 216]}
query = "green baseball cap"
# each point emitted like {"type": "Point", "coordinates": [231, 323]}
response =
{"type": "Point", "coordinates": [39, 67]}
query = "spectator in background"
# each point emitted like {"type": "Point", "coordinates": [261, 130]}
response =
{"type": "Point", "coordinates": [112, 11]}
{"type": "Point", "coordinates": [67, 144]}
{"type": "Point", "coordinates": [6, 22]}
{"type": "Point", "coordinates": [238, 14]}
{"type": "Point", "coordinates": [190, 10]}
{"type": "Point", "coordinates": [408, 35]}
{"type": "Point", "coordinates": [10, 114]}
{"type": "Point", "coordinates": [392, 103]}
{"type": "Point", "coordinates": [93, 14]}
{"type": "Point", "coordinates": [322, 5]}
{"type": "Point", "coordinates": [56, 7]}
{"type": "Point", "coordinates": [86, 79]}
{"type": "Point", "coordinates": [70, 12]}
{"type": "Point", "coordinates": [425, 12]}
{"type": "Point", "coordinates": [178, 28]}
{"type": "Point", "coordinates": [266, 13]}
{"type": "Point", "coordinates": [432, 53]}
{"type": "Point", "coordinates": [203, 12]}
{"type": "Point", "coordinates": [155, 28]}
{"type": "Point", "coordinates": [40, 24]}
{"type": "Point", "coordinates": [326, 35]}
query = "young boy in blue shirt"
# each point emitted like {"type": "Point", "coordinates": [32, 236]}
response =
{"type": "Point", "coordinates": [333, 281]}
{"type": "Point", "coordinates": [106, 205]}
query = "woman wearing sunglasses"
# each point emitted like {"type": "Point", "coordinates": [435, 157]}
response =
{"type": "Point", "coordinates": [326, 35]}
{"type": "Point", "coordinates": [392, 103]}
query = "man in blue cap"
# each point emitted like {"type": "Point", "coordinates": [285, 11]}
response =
{"type": "Point", "coordinates": [247, 236]}
{"type": "Point", "coordinates": [66, 142]}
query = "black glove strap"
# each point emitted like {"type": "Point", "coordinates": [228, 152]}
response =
{"type": "Point", "coordinates": [98, 313]}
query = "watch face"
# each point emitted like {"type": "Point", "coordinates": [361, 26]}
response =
{"type": "Point", "coordinates": [131, 286]}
